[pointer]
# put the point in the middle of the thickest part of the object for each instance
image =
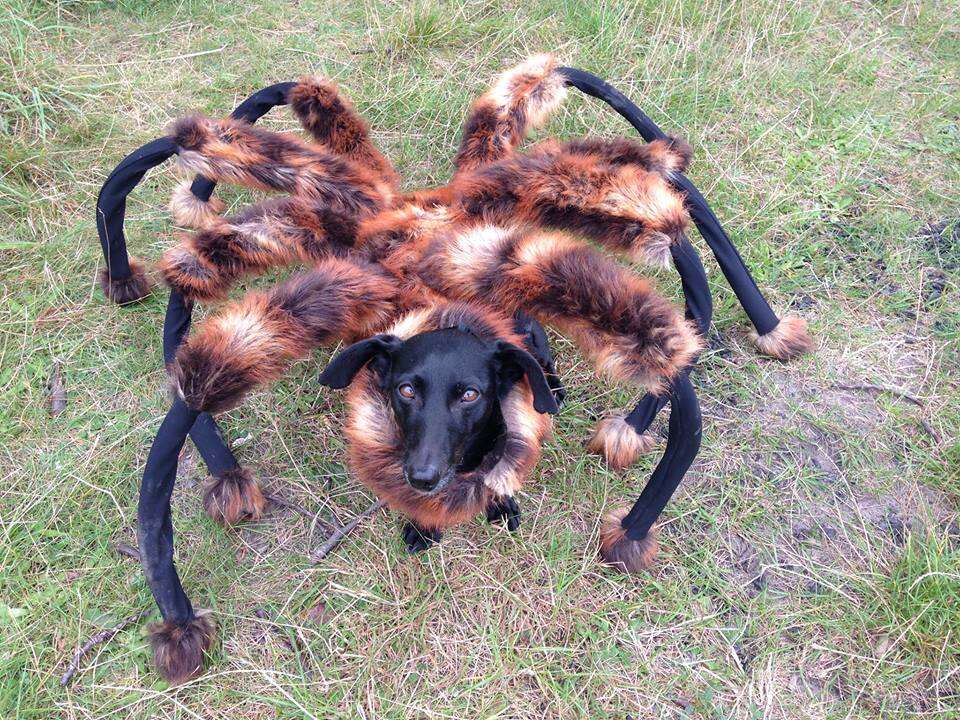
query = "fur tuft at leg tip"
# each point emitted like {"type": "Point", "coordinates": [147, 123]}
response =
{"type": "Point", "coordinates": [179, 650]}
{"type": "Point", "coordinates": [620, 552]}
{"type": "Point", "coordinates": [789, 339]}
{"type": "Point", "coordinates": [618, 443]}
{"type": "Point", "coordinates": [655, 250]}
{"type": "Point", "coordinates": [190, 211]}
{"type": "Point", "coordinates": [233, 496]}
{"type": "Point", "coordinates": [126, 290]}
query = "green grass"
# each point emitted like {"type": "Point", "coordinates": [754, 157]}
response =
{"type": "Point", "coordinates": [810, 559]}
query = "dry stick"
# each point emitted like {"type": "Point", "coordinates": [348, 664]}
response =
{"type": "Point", "coordinates": [314, 518]}
{"type": "Point", "coordinates": [340, 533]}
{"type": "Point", "coordinates": [101, 637]}
{"type": "Point", "coordinates": [883, 388]}
{"type": "Point", "coordinates": [295, 646]}
{"type": "Point", "coordinates": [127, 551]}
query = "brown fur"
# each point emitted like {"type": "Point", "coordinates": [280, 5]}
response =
{"type": "Point", "coordinates": [631, 333]}
{"type": "Point", "coordinates": [520, 99]}
{"type": "Point", "coordinates": [254, 342]}
{"type": "Point", "coordinates": [273, 233]}
{"type": "Point", "coordinates": [236, 151]}
{"type": "Point", "coordinates": [624, 206]}
{"type": "Point", "coordinates": [190, 211]}
{"type": "Point", "coordinates": [333, 121]}
{"type": "Point", "coordinates": [618, 443]}
{"type": "Point", "coordinates": [789, 339]}
{"type": "Point", "coordinates": [233, 496]}
{"type": "Point", "coordinates": [128, 290]}
{"type": "Point", "coordinates": [663, 157]}
{"type": "Point", "coordinates": [179, 650]}
{"type": "Point", "coordinates": [620, 552]}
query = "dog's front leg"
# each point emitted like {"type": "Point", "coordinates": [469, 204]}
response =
{"type": "Point", "coordinates": [506, 510]}
{"type": "Point", "coordinates": [417, 538]}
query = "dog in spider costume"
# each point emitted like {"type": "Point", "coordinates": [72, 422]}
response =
{"type": "Point", "coordinates": [481, 262]}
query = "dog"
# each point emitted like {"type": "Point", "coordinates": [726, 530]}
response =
{"type": "Point", "coordinates": [445, 389]}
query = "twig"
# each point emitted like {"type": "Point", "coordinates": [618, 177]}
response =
{"type": "Point", "coordinates": [101, 637]}
{"type": "Point", "coordinates": [883, 388]}
{"type": "Point", "coordinates": [56, 392]}
{"type": "Point", "coordinates": [290, 505]}
{"type": "Point", "coordinates": [340, 533]}
{"type": "Point", "coordinates": [295, 645]}
{"type": "Point", "coordinates": [312, 517]}
{"type": "Point", "coordinates": [127, 551]}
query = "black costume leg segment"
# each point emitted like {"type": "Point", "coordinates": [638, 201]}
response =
{"type": "Point", "coordinates": [628, 540]}
{"type": "Point", "coordinates": [181, 640]}
{"type": "Point", "coordinates": [535, 338]}
{"type": "Point", "coordinates": [622, 439]}
{"type": "Point", "coordinates": [699, 308]}
{"type": "Point", "coordinates": [781, 338]}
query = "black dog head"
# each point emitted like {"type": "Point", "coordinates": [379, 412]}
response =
{"type": "Point", "coordinates": [445, 387]}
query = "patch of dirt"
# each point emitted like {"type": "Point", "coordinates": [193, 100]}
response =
{"type": "Point", "coordinates": [841, 517]}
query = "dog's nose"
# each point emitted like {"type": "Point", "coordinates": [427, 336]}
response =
{"type": "Point", "coordinates": [424, 478]}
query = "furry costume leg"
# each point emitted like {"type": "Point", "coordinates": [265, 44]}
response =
{"type": "Point", "coordinates": [254, 341]}
{"type": "Point", "coordinates": [519, 100]}
{"type": "Point", "coordinates": [273, 233]}
{"type": "Point", "coordinates": [617, 319]}
{"type": "Point", "coordinates": [333, 121]}
{"type": "Point", "coordinates": [623, 206]}
{"type": "Point", "coordinates": [235, 151]}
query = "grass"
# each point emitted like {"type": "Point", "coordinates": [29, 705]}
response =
{"type": "Point", "coordinates": [810, 561]}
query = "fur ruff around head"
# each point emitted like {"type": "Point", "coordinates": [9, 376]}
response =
{"type": "Point", "coordinates": [375, 445]}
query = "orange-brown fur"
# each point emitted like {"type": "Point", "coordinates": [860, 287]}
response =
{"type": "Point", "coordinates": [178, 650]}
{"type": "Point", "coordinates": [233, 496]}
{"type": "Point", "coordinates": [190, 211]}
{"type": "Point", "coordinates": [620, 552]}
{"type": "Point", "coordinates": [130, 289]}
{"type": "Point", "coordinates": [273, 233]}
{"type": "Point", "coordinates": [521, 99]}
{"type": "Point", "coordinates": [254, 341]}
{"type": "Point", "coordinates": [332, 120]}
{"type": "Point", "coordinates": [789, 339]}
{"type": "Point", "coordinates": [618, 443]}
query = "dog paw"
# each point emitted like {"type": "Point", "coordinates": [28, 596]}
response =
{"type": "Point", "coordinates": [417, 539]}
{"type": "Point", "coordinates": [504, 509]}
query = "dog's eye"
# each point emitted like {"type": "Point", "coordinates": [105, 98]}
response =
{"type": "Point", "coordinates": [470, 395]}
{"type": "Point", "coordinates": [406, 390]}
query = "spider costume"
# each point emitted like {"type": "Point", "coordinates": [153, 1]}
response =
{"type": "Point", "coordinates": [499, 249]}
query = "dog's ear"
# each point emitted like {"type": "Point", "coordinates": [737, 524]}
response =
{"type": "Point", "coordinates": [512, 358]}
{"type": "Point", "coordinates": [342, 368]}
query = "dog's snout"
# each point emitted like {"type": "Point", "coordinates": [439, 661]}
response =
{"type": "Point", "coordinates": [424, 477]}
